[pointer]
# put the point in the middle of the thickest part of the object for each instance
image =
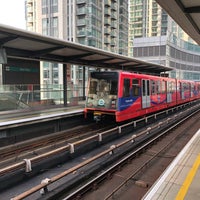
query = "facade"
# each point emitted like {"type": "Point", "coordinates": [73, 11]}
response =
{"type": "Point", "coordinates": [155, 37]}
{"type": "Point", "coordinates": [171, 51]}
{"type": "Point", "coordinates": [146, 19]}
{"type": "Point", "coordinates": [99, 23]}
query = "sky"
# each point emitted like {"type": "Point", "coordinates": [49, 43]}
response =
{"type": "Point", "coordinates": [12, 13]}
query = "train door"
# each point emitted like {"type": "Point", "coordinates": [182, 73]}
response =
{"type": "Point", "coordinates": [146, 94]}
{"type": "Point", "coordinates": [169, 92]}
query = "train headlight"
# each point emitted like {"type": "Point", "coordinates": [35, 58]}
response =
{"type": "Point", "coordinates": [90, 104]}
{"type": "Point", "coordinates": [113, 104]}
{"type": "Point", "coordinates": [101, 102]}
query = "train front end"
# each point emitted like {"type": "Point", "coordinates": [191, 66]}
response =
{"type": "Point", "coordinates": [102, 95]}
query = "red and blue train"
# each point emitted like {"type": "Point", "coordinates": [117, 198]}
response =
{"type": "Point", "coordinates": [127, 95]}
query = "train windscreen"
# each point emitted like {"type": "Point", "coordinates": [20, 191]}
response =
{"type": "Point", "coordinates": [103, 88]}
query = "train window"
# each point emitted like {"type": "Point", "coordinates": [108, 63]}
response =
{"type": "Point", "coordinates": [181, 86]}
{"type": "Point", "coordinates": [114, 85]}
{"type": "Point", "coordinates": [198, 87]}
{"type": "Point", "coordinates": [173, 86]}
{"type": "Point", "coordinates": [188, 86]}
{"type": "Point", "coordinates": [185, 86]}
{"type": "Point", "coordinates": [192, 86]}
{"type": "Point", "coordinates": [126, 89]}
{"type": "Point", "coordinates": [153, 87]}
{"type": "Point", "coordinates": [143, 88]}
{"type": "Point", "coordinates": [93, 87]}
{"type": "Point", "coordinates": [148, 87]}
{"type": "Point", "coordinates": [169, 87]}
{"type": "Point", "coordinates": [135, 88]}
{"type": "Point", "coordinates": [163, 87]}
{"type": "Point", "coordinates": [103, 85]}
{"type": "Point", "coordinates": [158, 87]}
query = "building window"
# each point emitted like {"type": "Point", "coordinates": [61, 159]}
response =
{"type": "Point", "coordinates": [45, 29]}
{"type": "Point", "coordinates": [47, 4]}
{"type": "Point", "coordinates": [46, 73]}
{"type": "Point", "coordinates": [44, 7]}
{"type": "Point", "coordinates": [54, 6]}
{"type": "Point", "coordinates": [55, 74]}
{"type": "Point", "coordinates": [54, 26]}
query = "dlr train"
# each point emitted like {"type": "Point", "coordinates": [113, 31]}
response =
{"type": "Point", "coordinates": [126, 95]}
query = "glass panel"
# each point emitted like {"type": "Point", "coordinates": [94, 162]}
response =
{"type": "Point", "coordinates": [135, 88]}
{"type": "Point", "coordinates": [126, 89]}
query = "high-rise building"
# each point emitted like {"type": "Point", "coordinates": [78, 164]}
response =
{"type": "Point", "coordinates": [155, 37]}
{"type": "Point", "coordinates": [146, 19]}
{"type": "Point", "coordinates": [99, 23]}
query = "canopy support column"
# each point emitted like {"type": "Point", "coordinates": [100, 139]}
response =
{"type": "Point", "coordinates": [65, 84]}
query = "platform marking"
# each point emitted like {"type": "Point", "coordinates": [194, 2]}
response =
{"type": "Point", "coordinates": [159, 182]}
{"type": "Point", "coordinates": [183, 191]}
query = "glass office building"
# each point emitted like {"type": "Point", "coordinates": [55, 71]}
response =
{"type": "Point", "coordinates": [155, 37]}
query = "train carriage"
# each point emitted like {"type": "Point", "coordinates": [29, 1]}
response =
{"type": "Point", "coordinates": [128, 95]}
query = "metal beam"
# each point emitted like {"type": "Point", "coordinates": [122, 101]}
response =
{"type": "Point", "coordinates": [46, 51]}
{"type": "Point", "coordinates": [195, 9]}
{"type": "Point", "coordinates": [7, 39]}
{"type": "Point", "coordinates": [181, 6]}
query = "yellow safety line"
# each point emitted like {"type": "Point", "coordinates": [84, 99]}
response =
{"type": "Point", "coordinates": [183, 191]}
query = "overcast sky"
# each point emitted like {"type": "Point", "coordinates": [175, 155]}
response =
{"type": "Point", "coordinates": [12, 13]}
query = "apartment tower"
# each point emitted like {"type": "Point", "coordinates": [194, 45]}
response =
{"type": "Point", "coordinates": [99, 23]}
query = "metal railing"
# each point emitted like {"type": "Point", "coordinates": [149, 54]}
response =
{"type": "Point", "coordinates": [14, 97]}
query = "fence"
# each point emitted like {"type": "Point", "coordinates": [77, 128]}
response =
{"type": "Point", "coordinates": [31, 95]}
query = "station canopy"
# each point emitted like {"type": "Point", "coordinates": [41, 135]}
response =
{"type": "Point", "coordinates": [22, 44]}
{"type": "Point", "coordinates": [186, 13]}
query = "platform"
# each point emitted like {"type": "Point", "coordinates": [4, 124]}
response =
{"type": "Point", "coordinates": [13, 118]}
{"type": "Point", "coordinates": [181, 180]}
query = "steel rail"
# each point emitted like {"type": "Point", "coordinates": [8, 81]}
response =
{"type": "Point", "coordinates": [149, 160]}
{"type": "Point", "coordinates": [128, 157]}
{"type": "Point", "coordinates": [111, 149]}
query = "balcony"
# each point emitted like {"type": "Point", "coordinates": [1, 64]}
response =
{"type": "Point", "coordinates": [107, 48]}
{"type": "Point", "coordinates": [29, 1]}
{"type": "Point", "coordinates": [107, 11]}
{"type": "Point", "coordinates": [80, 1]}
{"type": "Point", "coordinates": [114, 6]}
{"type": "Point", "coordinates": [30, 19]}
{"type": "Point", "coordinates": [30, 9]}
{"type": "Point", "coordinates": [113, 42]}
{"type": "Point", "coordinates": [106, 31]}
{"type": "Point", "coordinates": [107, 2]}
{"type": "Point", "coordinates": [81, 33]}
{"type": "Point", "coordinates": [81, 22]}
{"type": "Point", "coordinates": [107, 21]}
{"type": "Point", "coordinates": [113, 25]}
{"type": "Point", "coordinates": [113, 33]}
{"type": "Point", "coordinates": [81, 11]}
{"type": "Point", "coordinates": [107, 40]}
{"type": "Point", "coordinates": [113, 15]}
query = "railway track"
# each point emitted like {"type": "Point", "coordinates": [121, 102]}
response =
{"type": "Point", "coordinates": [152, 162]}
{"type": "Point", "coordinates": [12, 156]}
{"type": "Point", "coordinates": [131, 176]}
{"type": "Point", "coordinates": [56, 139]}
{"type": "Point", "coordinates": [133, 139]}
